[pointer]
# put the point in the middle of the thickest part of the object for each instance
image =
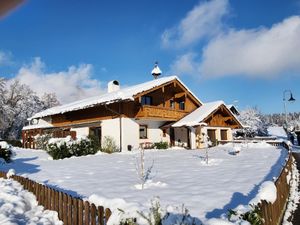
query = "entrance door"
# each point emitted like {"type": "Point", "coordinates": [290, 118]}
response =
{"type": "Point", "coordinates": [172, 136]}
{"type": "Point", "coordinates": [212, 136]}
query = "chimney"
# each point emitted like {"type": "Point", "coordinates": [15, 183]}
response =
{"type": "Point", "coordinates": [156, 72]}
{"type": "Point", "coordinates": [112, 86]}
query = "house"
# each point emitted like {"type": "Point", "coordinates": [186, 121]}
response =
{"type": "Point", "coordinates": [213, 119]}
{"type": "Point", "coordinates": [154, 111]}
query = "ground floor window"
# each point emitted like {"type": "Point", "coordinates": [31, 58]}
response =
{"type": "Point", "coordinates": [224, 135]}
{"type": "Point", "coordinates": [143, 131]}
{"type": "Point", "coordinates": [95, 134]}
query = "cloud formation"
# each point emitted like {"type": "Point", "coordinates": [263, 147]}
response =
{"type": "Point", "coordinates": [5, 58]}
{"type": "Point", "coordinates": [73, 84]}
{"type": "Point", "coordinates": [204, 20]}
{"type": "Point", "coordinates": [261, 52]}
{"type": "Point", "coordinates": [258, 52]}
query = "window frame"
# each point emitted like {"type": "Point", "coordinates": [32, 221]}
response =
{"type": "Point", "coordinates": [146, 131]}
{"type": "Point", "coordinates": [146, 100]}
{"type": "Point", "coordinates": [182, 103]}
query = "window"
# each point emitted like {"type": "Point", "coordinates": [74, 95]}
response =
{"type": "Point", "coordinates": [172, 104]}
{"type": "Point", "coordinates": [223, 135]}
{"type": "Point", "coordinates": [182, 105]}
{"type": "Point", "coordinates": [146, 100]}
{"type": "Point", "coordinates": [143, 131]}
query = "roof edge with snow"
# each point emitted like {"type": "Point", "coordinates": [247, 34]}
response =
{"type": "Point", "coordinates": [127, 93]}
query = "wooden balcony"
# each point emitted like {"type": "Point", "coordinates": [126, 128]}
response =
{"type": "Point", "coordinates": [160, 113]}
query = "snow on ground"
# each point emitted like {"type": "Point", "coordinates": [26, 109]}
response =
{"type": "Point", "coordinates": [18, 206]}
{"type": "Point", "coordinates": [178, 177]}
{"type": "Point", "coordinates": [277, 131]}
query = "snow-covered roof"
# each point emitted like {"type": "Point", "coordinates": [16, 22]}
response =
{"type": "Point", "coordinates": [127, 93]}
{"type": "Point", "coordinates": [37, 126]}
{"type": "Point", "coordinates": [197, 116]}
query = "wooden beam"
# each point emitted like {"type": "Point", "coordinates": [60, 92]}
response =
{"type": "Point", "coordinates": [179, 95]}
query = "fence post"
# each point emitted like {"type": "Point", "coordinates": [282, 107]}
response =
{"type": "Point", "coordinates": [86, 213]}
{"type": "Point", "coordinates": [93, 214]}
{"type": "Point", "coordinates": [65, 209]}
{"type": "Point", "coordinates": [80, 212]}
{"type": "Point", "coordinates": [70, 214]}
{"type": "Point", "coordinates": [75, 211]}
{"type": "Point", "coordinates": [100, 215]}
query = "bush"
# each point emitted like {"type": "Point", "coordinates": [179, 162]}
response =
{"type": "Point", "coordinates": [253, 216]}
{"type": "Point", "coordinates": [67, 148]}
{"type": "Point", "coordinates": [5, 151]}
{"type": "Point", "coordinates": [58, 151]}
{"type": "Point", "coordinates": [161, 145]}
{"type": "Point", "coordinates": [15, 143]}
{"type": "Point", "coordinates": [42, 140]}
{"type": "Point", "coordinates": [109, 145]}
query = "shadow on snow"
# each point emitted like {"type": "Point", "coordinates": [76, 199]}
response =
{"type": "Point", "coordinates": [241, 199]}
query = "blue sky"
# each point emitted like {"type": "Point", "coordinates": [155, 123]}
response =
{"type": "Point", "coordinates": [244, 50]}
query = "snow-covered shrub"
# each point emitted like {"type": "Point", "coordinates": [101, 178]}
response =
{"type": "Point", "coordinates": [158, 216]}
{"type": "Point", "coordinates": [5, 151]}
{"type": "Point", "coordinates": [161, 145]}
{"type": "Point", "coordinates": [109, 145]}
{"type": "Point", "coordinates": [42, 140]}
{"type": "Point", "coordinates": [155, 214]}
{"type": "Point", "coordinates": [60, 148]}
{"type": "Point", "coordinates": [143, 174]}
{"type": "Point", "coordinates": [16, 143]}
{"type": "Point", "coordinates": [58, 151]}
{"type": "Point", "coordinates": [253, 216]}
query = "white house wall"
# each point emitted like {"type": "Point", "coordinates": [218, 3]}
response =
{"type": "Point", "coordinates": [130, 132]}
{"type": "Point", "coordinates": [199, 136]}
{"type": "Point", "coordinates": [81, 131]}
{"type": "Point", "coordinates": [130, 135]}
{"type": "Point", "coordinates": [111, 128]}
{"type": "Point", "coordinates": [154, 133]}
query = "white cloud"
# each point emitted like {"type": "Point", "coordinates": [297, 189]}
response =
{"type": "Point", "coordinates": [204, 20]}
{"type": "Point", "coordinates": [73, 84]}
{"type": "Point", "coordinates": [258, 52]}
{"type": "Point", "coordinates": [185, 64]}
{"type": "Point", "coordinates": [5, 58]}
{"type": "Point", "coordinates": [262, 52]}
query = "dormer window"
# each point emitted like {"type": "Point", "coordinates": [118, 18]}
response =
{"type": "Point", "coordinates": [146, 100]}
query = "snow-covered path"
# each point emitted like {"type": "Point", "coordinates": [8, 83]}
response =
{"type": "Point", "coordinates": [180, 176]}
{"type": "Point", "coordinates": [18, 206]}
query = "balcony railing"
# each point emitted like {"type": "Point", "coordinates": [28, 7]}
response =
{"type": "Point", "coordinates": [156, 112]}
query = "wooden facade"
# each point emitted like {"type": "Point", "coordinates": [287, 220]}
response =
{"type": "Point", "coordinates": [222, 117]}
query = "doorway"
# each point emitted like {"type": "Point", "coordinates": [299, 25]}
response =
{"type": "Point", "coordinates": [212, 136]}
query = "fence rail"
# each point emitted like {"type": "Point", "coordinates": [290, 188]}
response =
{"type": "Point", "coordinates": [72, 211]}
{"type": "Point", "coordinates": [272, 213]}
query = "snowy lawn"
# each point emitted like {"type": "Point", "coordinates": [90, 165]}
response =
{"type": "Point", "coordinates": [178, 177]}
{"type": "Point", "coordinates": [18, 206]}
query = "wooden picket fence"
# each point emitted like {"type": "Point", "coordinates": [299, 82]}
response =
{"type": "Point", "coordinates": [72, 211]}
{"type": "Point", "coordinates": [272, 213]}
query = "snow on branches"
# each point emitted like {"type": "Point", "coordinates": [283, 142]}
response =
{"type": "Point", "coordinates": [17, 103]}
